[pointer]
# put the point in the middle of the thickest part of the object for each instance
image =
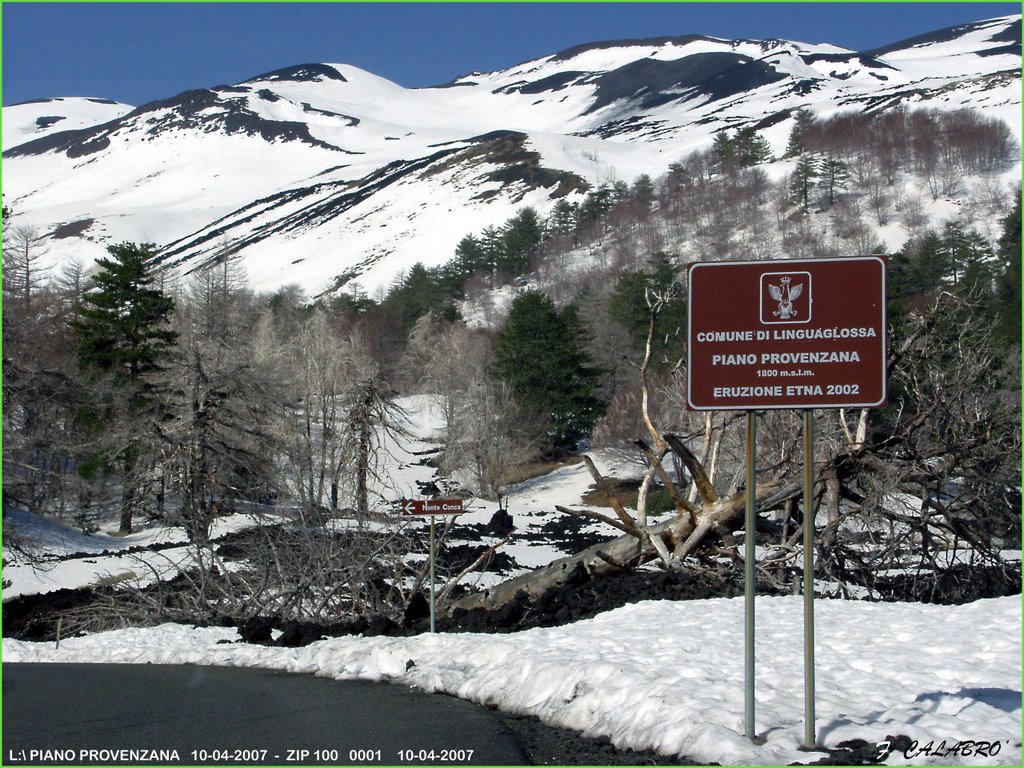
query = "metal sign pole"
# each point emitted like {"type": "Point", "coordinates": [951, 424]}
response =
{"type": "Point", "coordinates": [432, 625]}
{"type": "Point", "coordinates": [750, 580]}
{"type": "Point", "coordinates": [809, 727]}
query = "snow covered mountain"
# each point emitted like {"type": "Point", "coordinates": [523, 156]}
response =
{"type": "Point", "coordinates": [324, 174]}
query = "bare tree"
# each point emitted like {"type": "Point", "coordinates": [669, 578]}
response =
{"type": "Point", "coordinates": [445, 358]}
{"type": "Point", "coordinates": [24, 272]}
{"type": "Point", "coordinates": [218, 438]}
{"type": "Point", "coordinates": [71, 284]}
{"type": "Point", "coordinates": [948, 442]}
{"type": "Point", "coordinates": [490, 435]}
{"type": "Point", "coordinates": [340, 413]}
{"type": "Point", "coordinates": [320, 378]}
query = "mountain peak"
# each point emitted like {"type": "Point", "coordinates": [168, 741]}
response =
{"type": "Point", "coordinates": [300, 73]}
{"type": "Point", "coordinates": [652, 42]}
{"type": "Point", "coordinates": [1006, 37]}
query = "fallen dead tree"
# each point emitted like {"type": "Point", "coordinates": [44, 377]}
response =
{"type": "Point", "coordinates": [676, 536]}
{"type": "Point", "coordinates": [669, 542]}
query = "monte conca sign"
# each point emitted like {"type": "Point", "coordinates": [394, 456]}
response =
{"type": "Point", "coordinates": [787, 334]}
{"type": "Point", "coordinates": [431, 507]}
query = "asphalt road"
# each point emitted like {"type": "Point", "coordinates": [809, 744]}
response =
{"type": "Point", "coordinates": [108, 714]}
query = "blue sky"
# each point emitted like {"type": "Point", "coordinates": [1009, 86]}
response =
{"type": "Point", "coordinates": [136, 53]}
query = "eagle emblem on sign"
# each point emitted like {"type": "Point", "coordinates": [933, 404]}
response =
{"type": "Point", "coordinates": [785, 294]}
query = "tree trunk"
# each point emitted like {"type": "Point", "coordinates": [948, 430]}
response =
{"type": "Point", "coordinates": [627, 551]}
{"type": "Point", "coordinates": [128, 491]}
{"type": "Point", "coordinates": [363, 426]}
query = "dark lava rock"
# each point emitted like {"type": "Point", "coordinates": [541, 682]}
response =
{"type": "Point", "coordinates": [582, 597]}
{"type": "Point", "coordinates": [500, 524]}
{"type": "Point", "coordinates": [417, 610]}
{"type": "Point", "coordinates": [257, 629]}
{"type": "Point", "coordinates": [861, 752]}
{"type": "Point", "coordinates": [549, 745]}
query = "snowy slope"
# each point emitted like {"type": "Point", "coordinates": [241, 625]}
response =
{"type": "Point", "coordinates": [324, 173]}
{"type": "Point", "coordinates": [35, 119]}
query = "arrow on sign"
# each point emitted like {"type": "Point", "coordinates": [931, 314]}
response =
{"type": "Point", "coordinates": [412, 507]}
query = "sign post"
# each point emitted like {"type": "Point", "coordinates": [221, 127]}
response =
{"type": "Point", "coordinates": [809, 731]}
{"type": "Point", "coordinates": [787, 334]}
{"type": "Point", "coordinates": [432, 508]}
{"type": "Point", "coordinates": [432, 582]}
{"type": "Point", "coordinates": [749, 579]}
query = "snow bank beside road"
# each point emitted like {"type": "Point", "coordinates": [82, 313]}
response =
{"type": "Point", "coordinates": [668, 675]}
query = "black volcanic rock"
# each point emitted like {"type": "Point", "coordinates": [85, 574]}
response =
{"type": "Point", "coordinates": [76, 143]}
{"type": "Point", "coordinates": [555, 82]}
{"type": "Point", "coordinates": [863, 60]}
{"type": "Point", "coordinates": [656, 82]}
{"type": "Point", "coordinates": [48, 120]}
{"type": "Point", "coordinates": [302, 73]}
{"type": "Point", "coordinates": [201, 109]}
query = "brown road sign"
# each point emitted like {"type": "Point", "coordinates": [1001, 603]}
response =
{"type": "Point", "coordinates": [787, 334]}
{"type": "Point", "coordinates": [431, 507]}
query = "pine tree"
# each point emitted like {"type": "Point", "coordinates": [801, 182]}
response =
{"type": "Point", "coordinates": [835, 176]}
{"type": "Point", "coordinates": [416, 294]}
{"type": "Point", "coordinates": [562, 219]}
{"type": "Point", "coordinates": [521, 237]}
{"type": "Point", "coordinates": [470, 258]}
{"type": "Point", "coordinates": [1008, 285]}
{"type": "Point", "coordinates": [801, 121]}
{"type": "Point", "coordinates": [724, 151]}
{"type": "Point", "coordinates": [540, 354]}
{"type": "Point", "coordinates": [967, 253]}
{"type": "Point", "coordinates": [492, 247]}
{"type": "Point", "coordinates": [122, 324]}
{"type": "Point", "coordinates": [930, 265]}
{"type": "Point", "coordinates": [751, 148]}
{"type": "Point", "coordinates": [629, 306]}
{"type": "Point", "coordinates": [595, 207]}
{"type": "Point", "coordinates": [918, 269]}
{"type": "Point", "coordinates": [122, 330]}
{"type": "Point", "coordinates": [642, 194]}
{"type": "Point", "coordinates": [803, 180]}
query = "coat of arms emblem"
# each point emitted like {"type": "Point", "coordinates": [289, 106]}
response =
{"type": "Point", "coordinates": [785, 293]}
{"type": "Point", "coordinates": [785, 297]}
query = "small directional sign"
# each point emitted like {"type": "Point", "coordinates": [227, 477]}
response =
{"type": "Point", "coordinates": [412, 507]}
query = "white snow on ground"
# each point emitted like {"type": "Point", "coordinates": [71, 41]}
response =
{"type": "Point", "coordinates": [653, 675]}
{"type": "Point", "coordinates": [67, 559]}
{"type": "Point", "coordinates": [669, 675]}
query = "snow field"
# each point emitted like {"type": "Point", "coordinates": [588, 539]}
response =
{"type": "Point", "coordinates": [668, 676]}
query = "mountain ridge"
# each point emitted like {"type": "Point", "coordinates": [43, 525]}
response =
{"type": "Point", "coordinates": [236, 166]}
